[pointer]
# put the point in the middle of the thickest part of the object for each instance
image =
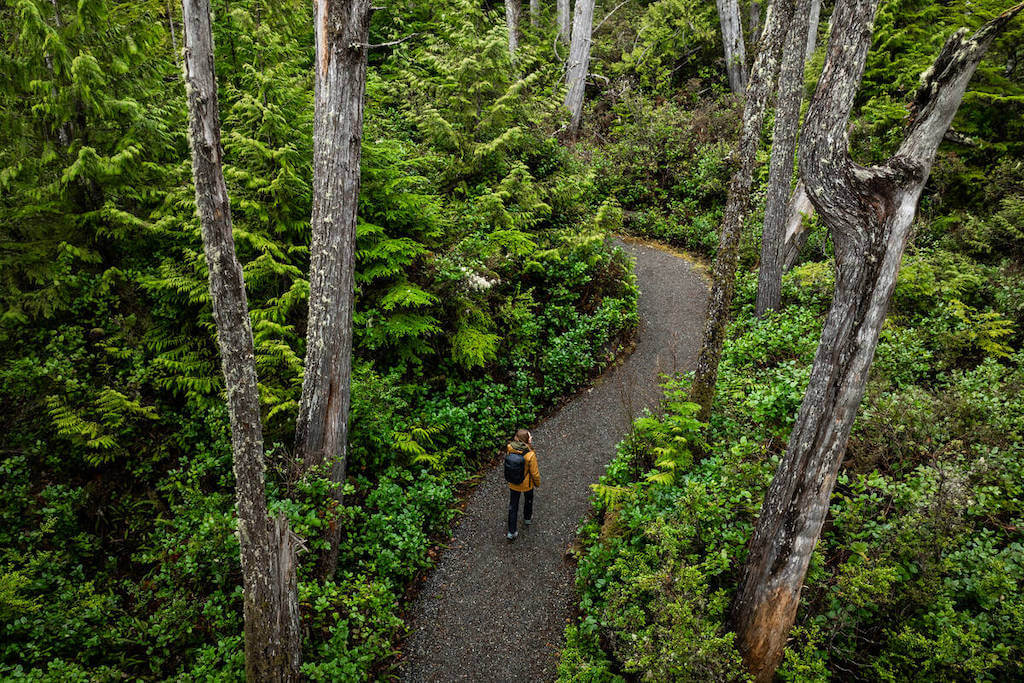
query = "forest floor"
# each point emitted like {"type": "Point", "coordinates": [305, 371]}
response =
{"type": "Point", "coordinates": [494, 610]}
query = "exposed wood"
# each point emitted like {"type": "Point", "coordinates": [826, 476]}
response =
{"type": "Point", "coordinates": [342, 28]}
{"type": "Point", "coordinates": [869, 211]}
{"type": "Point", "coordinates": [780, 175]}
{"type": "Point", "coordinates": [513, 8]}
{"type": "Point", "coordinates": [762, 76]}
{"type": "Point", "coordinates": [579, 62]}
{"type": "Point", "coordinates": [732, 42]}
{"type": "Point", "coordinates": [564, 27]}
{"type": "Point", "coordinates": [272, 639]}
{"type": "Point", "coordinates": [795, 233]}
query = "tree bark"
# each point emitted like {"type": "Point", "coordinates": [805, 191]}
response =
{"type": "Point", "coordinates": [563, 21]}
{"type": "Point", "coordinates": [732, 41]}
{"type": "Point", "coordinates": [170, 25]}
{"type": "Point", "coordinates": [534, 12]}
{"type": "Point", "coordinates": [342, 28]}
{"type": "Point", "coordinates": [754, 21]}
{"type": "Point", "coordinates": [869, 211]}
{"type": "Point", "coordinates": [795, 233]}
{"type": "Point", "coordinates": [812, 28]}
{"type": "Point", "coordinates": [513, 8]}
{"type": "Point", "coordinates": [780, 175]}
{"type": "Point", "coordinates": [579, 61]}
{"type": "Point", "coordinates": [272, 637]}
{"type": "Point", "coordinates": [762, 75]}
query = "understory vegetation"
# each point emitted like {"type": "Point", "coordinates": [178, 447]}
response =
{"type": "Point", "coordinates": [920, 568]}
{"type": "Point", "coordinates": [486, 291]}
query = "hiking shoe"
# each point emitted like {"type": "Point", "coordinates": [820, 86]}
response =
{"type": "Point", "coordinates": [527, 522]}
{"type": "Point", "coordinates": [512, 536]}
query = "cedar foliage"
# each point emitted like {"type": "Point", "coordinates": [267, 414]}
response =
{"type": "Point", "coordinates": [485, 291]}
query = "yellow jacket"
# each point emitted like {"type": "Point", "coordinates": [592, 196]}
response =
{"type": "Point", "coordinates": [532, 472]}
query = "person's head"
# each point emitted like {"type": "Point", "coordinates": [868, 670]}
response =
{"type": "Point", "coordinates": [524, 435]}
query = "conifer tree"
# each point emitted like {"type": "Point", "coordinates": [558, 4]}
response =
{"type": "Point", "coordinates": [762, 78]}
{"type": "Point", "coordinates": [273, 644]}
{"type": "Point", "coordinates": [342, 31]}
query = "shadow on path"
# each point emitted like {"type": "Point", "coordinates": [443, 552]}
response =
{"type": "Point", "coordinates": [496, 611]}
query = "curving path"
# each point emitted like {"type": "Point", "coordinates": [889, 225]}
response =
{"type": "Point", "coordinates": [495, 611]}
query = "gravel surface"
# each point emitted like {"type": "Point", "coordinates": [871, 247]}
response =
{"type": "Point", "coordinates": [495, 611]}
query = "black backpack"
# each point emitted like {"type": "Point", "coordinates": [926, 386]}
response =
{"type": "Point", "coordinates": [515, 467]}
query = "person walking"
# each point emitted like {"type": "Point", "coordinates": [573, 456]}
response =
{"type": "Point", "coordinates": [522, 475]}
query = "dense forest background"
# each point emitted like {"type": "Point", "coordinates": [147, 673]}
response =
{"type": "Point", "coordinates": [486, 290]}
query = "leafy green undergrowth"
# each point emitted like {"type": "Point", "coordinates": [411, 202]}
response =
{"type": "Point", "coordinates": [486, 290]}
{"type": "Point", "coordinates": [920, 568]}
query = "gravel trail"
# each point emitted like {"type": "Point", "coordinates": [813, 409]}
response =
{"type": "Point", "coordinates": [495, 611]}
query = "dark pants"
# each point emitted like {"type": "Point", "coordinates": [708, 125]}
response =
{"type": "Point", "coordinates": [513, 508]}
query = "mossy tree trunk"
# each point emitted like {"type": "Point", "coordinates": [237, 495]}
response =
{"type": "Point", "coordinates": [272, 638]}
{"type": "Point", "coordinates": [342, 28]}
{"type": "Point", "coordinates": [869, 211]}
{"type": "Point", "coordinates": [780, 174]}
{"type": "Point", "coordinates": [762, 76]}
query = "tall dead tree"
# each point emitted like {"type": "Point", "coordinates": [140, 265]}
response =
{"type": "Point", "coordinates": [732, 42]}
{"type": "Point", "coordinates": [869, 211]}
{"type": "Point", "coordinates": [579, 62]}
{"type": "Point", "coordinates": [513, 8]}
{"type": "Point", "coordinates": [564, 28]}
{"type": "Point", "coordinates": [272, 639]}
{"type": "Point", "coordinates": [780, 174]}
{"type": "Point", "coordinates": [813, 18]}
{"type": "Point", "coordinates": [762, 76]}
{"type": "Point", "coordinates": [342, 28]}
{"type": "Point", "coordinates": [754, 21]}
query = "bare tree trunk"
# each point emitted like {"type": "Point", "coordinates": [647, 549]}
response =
{"type": "Point", "coordinates": [563, 21]}
{"type": "Point", "coordinates": [534, 11]}
{"type": "Point", "coordinates": [272, 639]}
{"type": "Point", "coordinates": [812, 27]}
{"type": "Point", "coordinates": [780, 175]}
{"type": "Point", "coordinates": [513, 8]}
{"type": "Point", "coordinates": [754, 21]}
{"type": "Point", "coordinates": [795, 233]}
{"type": "Point", "coordinates": [170, 25]}
{"type": "Point", "coordinates": [869, 211]}
{"type": "Point", "coordinates": [579, 62]}
{"type": "Point", "coordinates": [342, 28]}
{"type": "Point", "coordinates": [732, 40]}
{"type": "Point", "coordinates": [762, 75]}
